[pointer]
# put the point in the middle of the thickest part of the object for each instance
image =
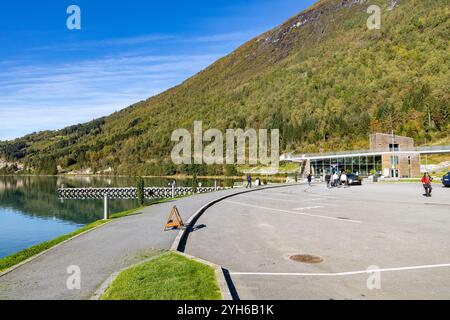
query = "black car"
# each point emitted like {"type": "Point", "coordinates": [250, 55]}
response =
{"type": "Point", "coordinates": [353, 180]}
{"type": "Point", "coordinates": [446, 180]}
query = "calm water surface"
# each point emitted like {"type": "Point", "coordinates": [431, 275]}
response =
{"type": "Point", "coordinates": [31, 213]}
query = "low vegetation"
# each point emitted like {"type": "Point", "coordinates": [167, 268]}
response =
{"type": "Point", "coordinates": [168, 277]}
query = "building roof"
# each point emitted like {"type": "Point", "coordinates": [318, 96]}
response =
{"type": "Point", "coordinates": [363, 153]}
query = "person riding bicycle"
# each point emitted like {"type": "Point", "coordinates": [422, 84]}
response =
{"type": "Point", "coordinates": [430, 180]}
{"type": "Point", "coordinates": [426, 182]}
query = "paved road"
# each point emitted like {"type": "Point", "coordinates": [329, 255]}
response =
{"type": "Point", "coordinates": [385, 225]}
{"type": "Point", "coordinates": [99, 253]}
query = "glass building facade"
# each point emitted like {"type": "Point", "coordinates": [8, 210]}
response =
{"type": "Point", "coordinates": [362, 165]}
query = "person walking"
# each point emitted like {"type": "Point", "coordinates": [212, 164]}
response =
{"type": "Point", "coordinates": [430, 181]}
{"type": "Point", "coordinates": [336, 179]}
{"type": "Point", "coordinates": [249, 181]}
{"type": "Point", "coordinates": [309, 179]}
{"type": "Point", "coordinates": [344, 180]}
{"type": "Point", "coordinates": [328, 180]}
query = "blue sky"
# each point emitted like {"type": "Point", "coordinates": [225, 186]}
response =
{"type": "Point", "coordinates": [126, 51]}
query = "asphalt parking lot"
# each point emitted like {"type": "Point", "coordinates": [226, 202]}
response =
{"type": "Point", "coordinates": [388, 226]}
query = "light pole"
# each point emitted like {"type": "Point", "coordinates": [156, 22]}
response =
{"type": "Point", "coordinates": [429, 126]}
{"type": "Point", "coordinates": [394, 159]}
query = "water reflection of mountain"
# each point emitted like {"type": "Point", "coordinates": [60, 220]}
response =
{"type": "Point", "coordinates": [36, 196]}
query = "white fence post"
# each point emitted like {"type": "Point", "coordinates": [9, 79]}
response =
{"type": "Point", "coordinates": [215, 185]}
{"type": "Point", "coordinates": [105, 207]}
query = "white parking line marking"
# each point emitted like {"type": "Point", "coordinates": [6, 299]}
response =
{"type": "Point", "coordinates": [308, 208]}
{"type": "Point", "coordinates": [278, 199]}
{"type": "Point", "coordinates": [301, 195]}
{"type": "Point", "coordinates": [286, 194]}
{"type": "Point", "coordinates": [341, 273]}
{"type": "Point", "coordinates": [291, 212]}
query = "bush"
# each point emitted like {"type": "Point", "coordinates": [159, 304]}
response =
{"type": "Point", "coordinates": [194, 183]}
{"type": "Point", "coordinates": [140, 190]}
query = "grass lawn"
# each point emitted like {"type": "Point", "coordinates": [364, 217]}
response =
{"type": "Point", "coordinates": [168, 277]}
{"type": "Point", "coordinates": [434, 159]}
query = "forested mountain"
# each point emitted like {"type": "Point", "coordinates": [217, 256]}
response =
{"type": "Point", "coordinates": [321, 77]}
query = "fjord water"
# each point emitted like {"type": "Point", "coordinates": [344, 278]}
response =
{"type": "Point", "coordinates": [31, 213]}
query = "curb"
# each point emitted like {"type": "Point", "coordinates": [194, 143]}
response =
{"type": "Point", "coordinates": [220, 276]}
{"type": "Point", "coordinates": [107, 283]}
{"type": "Point", "coordinates": [181, 239]}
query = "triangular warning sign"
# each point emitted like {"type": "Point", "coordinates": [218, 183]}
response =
{"type": "Point", "coordinates": [175, 221]}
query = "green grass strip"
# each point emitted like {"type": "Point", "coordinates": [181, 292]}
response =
{"type": "Point", "coordinates": [168, 277]}
{"type": "Point", "coordinates": [18, 257]}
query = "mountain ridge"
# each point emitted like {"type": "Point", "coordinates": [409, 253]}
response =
{"type": "Point", "coordinates": [321, 77]}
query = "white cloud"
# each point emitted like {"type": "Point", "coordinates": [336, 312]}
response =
{"type": "Point", "coordinates": [226, 37]}
{"type": "Point", "coordinates": [51, 96]}
{"type": "Point", "coordinates": [90, 44]}
{"type": "Point", "coordinates": [37, 95]}
{"type": "Point", "coordinates": [146, 39]}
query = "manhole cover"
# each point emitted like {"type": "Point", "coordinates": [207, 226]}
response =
{"type": "Point", "coordinates": [306, 258]}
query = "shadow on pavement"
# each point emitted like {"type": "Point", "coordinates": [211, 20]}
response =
{"type": "Point", "coordinates": [198, 227]}
{"type": "Point", "coordinates": [230, 284]}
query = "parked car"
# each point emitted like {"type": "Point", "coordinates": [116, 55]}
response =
{"type": "Point", "coordinates": [446, 180]}
{"type": "Point", "coordinates": [353, 180]}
